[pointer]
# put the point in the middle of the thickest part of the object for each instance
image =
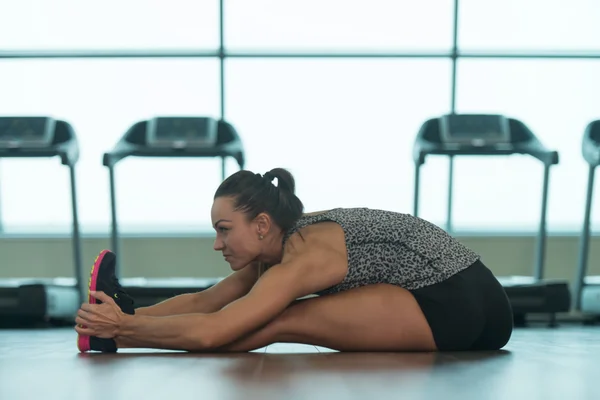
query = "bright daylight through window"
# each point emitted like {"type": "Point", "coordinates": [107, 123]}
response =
{"type": "Point", "coordinates": [343, 125]}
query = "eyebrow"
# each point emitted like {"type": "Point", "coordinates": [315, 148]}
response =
{"type": "Point", "coordinates": [221, 220]}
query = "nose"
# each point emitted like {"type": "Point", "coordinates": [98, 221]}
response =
{"type": "Point", "coordinates": [218, 245]}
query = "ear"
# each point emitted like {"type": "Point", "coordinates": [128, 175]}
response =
{"type": "Point", "coordinates": [263, 224]}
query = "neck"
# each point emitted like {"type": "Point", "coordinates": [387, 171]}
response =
{"type": "Point", "coordinates": [273, 249]}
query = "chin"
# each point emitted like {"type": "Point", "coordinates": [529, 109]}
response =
{"type": "Point", "coordinates": [236, 266]}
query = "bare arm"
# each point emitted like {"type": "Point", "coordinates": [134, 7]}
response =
{"type": "Point", "coordinates": [207, 301]}
{"type": "Point", "coordinates": [271, 295]}
{"type": "Point", "coordinates": [201, 332]}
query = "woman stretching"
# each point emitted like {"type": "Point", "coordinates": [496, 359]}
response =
{"type": "Point", "coordinates": [352, 279]}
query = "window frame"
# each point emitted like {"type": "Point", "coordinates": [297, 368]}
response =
{"type": "Point", "coordinates": [223, 54]}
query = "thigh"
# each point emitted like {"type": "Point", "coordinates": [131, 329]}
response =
{"type": "Point", "coordinates": [370, 318]}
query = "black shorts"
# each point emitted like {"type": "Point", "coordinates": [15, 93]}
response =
{"type": "Point", "coordinates": [468, 311]}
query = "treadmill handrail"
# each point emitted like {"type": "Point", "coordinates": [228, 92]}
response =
{"type": "Point", "coordinates": [124, 149]}
{"type": "Point", "coordinates": [532, 146]}
{"type": "Point", "coordinates": [67, 150]}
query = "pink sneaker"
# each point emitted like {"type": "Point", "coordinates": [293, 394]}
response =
{"type": "Point", "coordinates": [103, 279]}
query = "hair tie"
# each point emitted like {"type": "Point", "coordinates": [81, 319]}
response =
{"type": "Point", "coordinates": [269, 177]}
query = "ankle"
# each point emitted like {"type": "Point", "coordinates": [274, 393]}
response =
{"type": "Point", "coordinates": [121, 342]}
{"type": "Point", "coordinates": [125, 343]}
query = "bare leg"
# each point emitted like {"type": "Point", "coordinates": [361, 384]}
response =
{"type": "Point", "coordinates": [370, 318]}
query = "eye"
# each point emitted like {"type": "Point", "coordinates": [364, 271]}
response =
{"type": "Point", "coordinates": [223, 229]}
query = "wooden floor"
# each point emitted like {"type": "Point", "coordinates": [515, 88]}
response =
{"type": "Point", "coordinates": [539, 363]}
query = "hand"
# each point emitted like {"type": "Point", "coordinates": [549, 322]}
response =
{"type": "Point", "coordinates": [100, 320]}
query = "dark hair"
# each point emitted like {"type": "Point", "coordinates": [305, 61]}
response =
{"type": "Point", "coordinates": [254, 193]}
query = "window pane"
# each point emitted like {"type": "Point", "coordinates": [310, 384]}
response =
{"type": "Point", "coordinates": [344, 128]}
{"type": "Point", "coordinates": [110, 24]}
{"type": "Point", "coordinates": [556, 99]}
{"type": "Point", "coordinates": [338, 24]}
{"type": "Point", "coordinates": [529, 25]}
{"type": "Point", "coordinates": [102, 98]}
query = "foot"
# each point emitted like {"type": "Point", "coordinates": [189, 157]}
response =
{"type": "Point", "coordinates": [104, 279]}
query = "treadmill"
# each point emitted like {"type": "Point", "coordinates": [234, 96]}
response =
{"type": "Point", "coordinates": [169, 136]}
{"type": "Point", "coordinates": [497, 135]}
{"type": "Point", "coordinates": [586, 290]}
{"type": "Point", "coordinates": [32, 300]}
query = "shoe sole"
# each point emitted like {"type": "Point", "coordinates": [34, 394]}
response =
{"type": "Point", "coordinates": [83, 341]}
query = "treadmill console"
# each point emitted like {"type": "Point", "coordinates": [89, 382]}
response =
{"type": "Point", "coordinates": [475, 130]}
{"type": "Point", "coordinates": [182, 132]}
{"type": "Point", "coordinates": [26, 132]}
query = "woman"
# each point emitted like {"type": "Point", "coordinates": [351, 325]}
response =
{"type": "Point", "coordinates": [383, 281]}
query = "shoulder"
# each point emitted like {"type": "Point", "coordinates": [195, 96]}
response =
{"type": "Point", "coordinates": [318, 256]}
{"type": "Point", "coordinates": [317, 240]}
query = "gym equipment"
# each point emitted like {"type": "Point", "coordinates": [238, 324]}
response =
{"type": "Point", "coordinates": [496, 135]}
{"type": "Point", "coordinates": [586, 290]}
{"type": "Point", "coordinates": [168, 136]}
{"type": "Point", "coordinates": [33, 300]}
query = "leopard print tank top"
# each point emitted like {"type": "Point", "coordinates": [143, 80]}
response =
{"type": "Point", "coordinates": [394, 248]}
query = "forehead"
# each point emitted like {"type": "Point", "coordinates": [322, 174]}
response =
{"type": "Point", "coordinates": [222, 208]}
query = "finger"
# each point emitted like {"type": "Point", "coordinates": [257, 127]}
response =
{"type": "Point", "coordinates": [84, 314]}
{"type": "Point", "coordinates": [83, 321]}
{"type": "Point", "coordinates": [84, 331]}
{"type": "Point", "coordinates": [103, 297]}
{"type": "Point", "coordinates": [89, 307]}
